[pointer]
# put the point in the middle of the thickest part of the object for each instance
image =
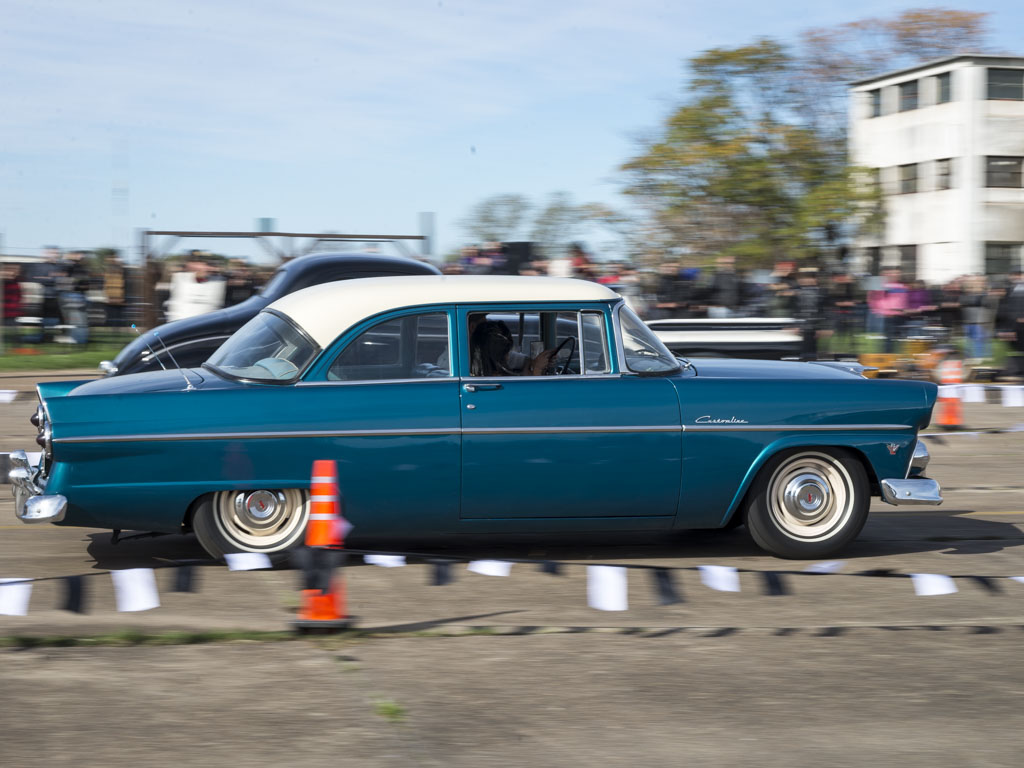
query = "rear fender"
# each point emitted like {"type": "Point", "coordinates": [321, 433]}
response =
{"type": "Point", "coordinates": [50, 389]}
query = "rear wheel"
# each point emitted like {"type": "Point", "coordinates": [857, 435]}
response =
{"type": "Point", "coordinates": [267, 521]}
{"type": "Point", "coordinates": [808, 503]}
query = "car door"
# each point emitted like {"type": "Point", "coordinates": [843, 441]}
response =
{"type": "Point", "coordinates": [590, 442]}
{"type": "Point", "coordinates": [390, 417]}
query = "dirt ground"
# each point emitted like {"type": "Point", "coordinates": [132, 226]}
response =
{"type": "Point", "coordinates": [886, 698]}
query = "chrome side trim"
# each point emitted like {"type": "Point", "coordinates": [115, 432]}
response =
{"type": "Point", "coordinates": [475, 379]}
{"type": "Point", "coordinates": [545, 377]}
{"type": "Point", "coordinates": [915, 490]}
{"type": "Point", "coordinates": [579, 340]}
{"type": "Point", "coordinates": [261, 435]}
{"type": "Point", "coordinates": [795, 427]}
{"type": "Point", "coordinates": [617, 347]}
{"type": "Point", "coordinates": [360, 382]}
{"type": "Point", "coordinates": [564, 430]}
{"type": "Point", "coordinates": [474, 431]}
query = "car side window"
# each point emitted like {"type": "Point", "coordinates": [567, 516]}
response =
{"type": "Point", "coordinates": [407, 347]}
{"type": "Point", "coordinates": [644, 352]}
{"type": "Point", "coordinates": [537, 343]}
{"type": "Point", "coordinates": [595, 343]}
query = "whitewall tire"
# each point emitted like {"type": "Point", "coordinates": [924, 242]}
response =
{"type": "Point", "coordinates": [268, 521]}
{"type": "Point", "coordinates": [808, 503]}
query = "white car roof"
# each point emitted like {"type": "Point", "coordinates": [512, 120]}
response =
{"type": "Point", "coordinates": [325, 311]}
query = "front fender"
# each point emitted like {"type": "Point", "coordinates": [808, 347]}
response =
{"type": "Point", "coordinates": [884, 454]}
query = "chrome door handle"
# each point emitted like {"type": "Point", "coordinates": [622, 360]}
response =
{"type": "Point", "coordinates": [481, 387]}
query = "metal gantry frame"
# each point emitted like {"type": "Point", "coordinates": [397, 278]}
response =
{"type": "Point", "coordinates": [151, 253]}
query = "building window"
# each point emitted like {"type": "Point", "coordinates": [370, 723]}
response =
{"type": "Point", "coordinates": [908, 96]}
{"type": "Point", "coordinates": [876, 102]}
{"type": "Point", "coordinates": [944, 174]}
{"type": "Point", "coordinates": [873, 179]}
{"type": "Point", "coordinates": [944, 88]}
{"type": "Point", "coordinates": [908, 179]}
{"type": "Point", "coordinates": [890, 180]}
{"type": "Point", "coordinates": [1002, 258]}
{"type": "Point", "coordinates": [1006, 84]}
{"type": "Point", "coordinates": [908, 261]}
{"type": "Point", "coordinates": [874, 256]}
{"type": "Point", "coordinates": [1003, 172]}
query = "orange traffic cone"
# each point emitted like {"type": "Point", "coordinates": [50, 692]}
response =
{"type": "Point", "coordinates": [323, 606]}
{"type": "Point", "coordinates": [325, 527]}
{"type": "Point", "coordinates": [950, 415]}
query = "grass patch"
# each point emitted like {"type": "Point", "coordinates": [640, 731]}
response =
{"type": "Point", "coordinates": [133, 637]}
{"type": "Point", "coordinates": [390, 710]}
{"type": "Point", "coordinates": [475, 631]}
{"type": "Point", "coordinates": [50, 357]}
{"type": "Point", "coordinates": [865, 343]}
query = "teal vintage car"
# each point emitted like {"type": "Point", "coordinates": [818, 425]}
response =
{"type": "Point", "coordinates": [469, 404]}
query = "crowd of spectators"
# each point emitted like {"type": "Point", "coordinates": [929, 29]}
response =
{"type": "Point", "coordinates": [58, 296]}
{"type": "Point", "coordinates": [196, 285]}
{"type": "Point", "coordinates": [835, 303]}
{"type": "Point", "coordinates": [65, 294]}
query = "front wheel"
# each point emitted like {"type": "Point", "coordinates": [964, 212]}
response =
{"type": "Point", "coordinates": [268, 521]}
{"type": "Point", "coordinates": [808, 504]}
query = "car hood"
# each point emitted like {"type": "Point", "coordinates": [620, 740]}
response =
{"type": "Point", "coordinates": [220, 321]}
{"type": "Point", "coordinates": [713, 368]}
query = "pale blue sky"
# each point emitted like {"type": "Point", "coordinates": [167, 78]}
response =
{"type": "Point", "coordinates": [332, 115]}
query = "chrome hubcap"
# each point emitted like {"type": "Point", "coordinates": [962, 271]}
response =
{"type": "Point", "coordinates": [259, 507]}
{"type": "Point", "coordinates": [262, 520]}
{"type": "Point", "coordinates": [810, 496]}
{"type": "Point", "coordinates": [807, 497]}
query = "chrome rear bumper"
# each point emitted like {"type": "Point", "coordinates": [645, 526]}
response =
{"type": "Point", "coordinates": [31, 505]}
{"type": "Point", "coordinates": [913, 490]}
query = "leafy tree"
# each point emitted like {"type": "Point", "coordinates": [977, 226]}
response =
{"type": "Point", "coordinates": [830, 58]}
{"type": "Point", "coordinates": [557, 224]}
{"type": "Point", "coordinates": [753, 163]}
{"type": "Point", "coordinates": [497, 218]}
{"type": "Point", "coordinates": [735, 170]}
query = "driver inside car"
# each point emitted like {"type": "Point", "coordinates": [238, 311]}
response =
{"type": "Point", "coordinates": [492, 353]}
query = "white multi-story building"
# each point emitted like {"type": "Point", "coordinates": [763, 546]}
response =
{"type": "Point", "coordinates": [945, 141]}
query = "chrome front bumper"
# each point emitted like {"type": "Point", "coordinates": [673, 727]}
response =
{"type": "Point", "coordinates": [31, 505]}
{"type": "Point", "coordinates": [913, 490]}
{"type": "Point", "coordinates": [920, 459]}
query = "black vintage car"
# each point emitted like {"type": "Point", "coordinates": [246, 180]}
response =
{"type": "Point", "coordinates": [193, 339]}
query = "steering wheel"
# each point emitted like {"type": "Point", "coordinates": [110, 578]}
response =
{"type": "Point", "coordinates": [552, 367]}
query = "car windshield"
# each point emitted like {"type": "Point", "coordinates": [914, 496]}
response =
{"type": "Point", "coordinates": [643, 350]}
{"type": "Point", "coordinates": [267, 348]}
